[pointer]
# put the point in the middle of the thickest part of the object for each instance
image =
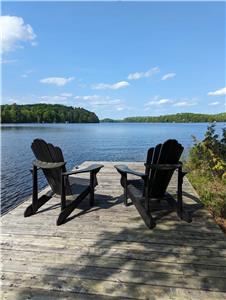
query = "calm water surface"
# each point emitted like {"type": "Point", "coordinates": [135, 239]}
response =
{"type": "Point", "coordinates": [80, 142]}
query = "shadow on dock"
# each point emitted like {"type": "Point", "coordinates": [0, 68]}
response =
{"type": "Point", "coordinates": [167, 262]}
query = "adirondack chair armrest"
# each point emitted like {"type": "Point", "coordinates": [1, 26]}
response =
{"type": "Point", "coordinates": [95, 168]}
{"type": "Point", "coordinates": [123, 170]}
{"type": "Point", "coordinates": [164, 166]}
{"type": "Point", "coordinates": [48, 165]}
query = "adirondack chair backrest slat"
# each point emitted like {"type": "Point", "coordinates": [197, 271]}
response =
{"type": "Point", "coordinates": [152, 158]}
{"type": "Point", "coordinates": [166, 153]}
{"type": "Point", "coordinates": [149, 159]}
{"type": "Point", "coordinates": [49, 153]}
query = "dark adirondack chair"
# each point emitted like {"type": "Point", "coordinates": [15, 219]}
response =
{"type": "Point", "coordinates": [147, 192]}
{"type": "Point", "coordinates": [72, 190]}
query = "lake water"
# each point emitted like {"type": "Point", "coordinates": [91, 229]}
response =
{"type": "Point", "coordinates": [81, 142]}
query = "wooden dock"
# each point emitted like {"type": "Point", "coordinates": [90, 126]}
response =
{"type": "Point", "coordinates": [108, 253]}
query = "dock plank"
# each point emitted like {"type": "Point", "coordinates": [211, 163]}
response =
{"type": "Point", "coordinates": [108, 253]}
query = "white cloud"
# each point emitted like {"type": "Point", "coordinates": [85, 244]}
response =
{"type": "Point", "coordinates": [114, 86]}
{"type": "Point", "coordinates": [184, 103]}
{"type": "Point", "coordinates": [220, 92]}
{"type": "Point", "coordinates": [214, 103]}
{"type": "Point", "coordinates": [7, 61]}
{"type": "Point", "coordinates": [103, 102]}
{"type": "Point", "coordinates": [88, 97]}
{"type": "Point", "coordinates": [168, 76]}
{"type": "Point", "coordinates": [14, 32]}
{"type": "Point", "coordinates": [138, 75]}
{"type": "Point", "coordinates": [164, 101]}
{"type": "Point", "coordinates": [159, 102]}
{"type": "Point", "coordinates": [67, 95]}
{"type": "Point", "coordinates": [97, 100]}
{"type": "Point", "coordinates": [53, 99]}
{"type": "Point", "coordinates": [59, 81]}
{"type": "Point", "coordinates": [31, 99]}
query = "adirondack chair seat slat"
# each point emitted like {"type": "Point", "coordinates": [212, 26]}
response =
{"type": "Point", "coordinates": [51, 161]}
{"type": "Point", "coordinates": [78, 185]}
{"type": "Point", "coordinates": [136, 187]}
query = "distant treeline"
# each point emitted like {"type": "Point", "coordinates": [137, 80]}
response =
{"type": "Point", "coordinates": [177, 118]}
{"type": "Point", "coordinates": [46, 113]}
{"type": "Point", "coordinates": [108, 120]}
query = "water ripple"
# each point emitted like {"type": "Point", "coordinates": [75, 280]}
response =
{"type": "Point", "coordinates": [80, 142]}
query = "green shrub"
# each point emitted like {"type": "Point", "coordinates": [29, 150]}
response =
{"type": "Point", "coordinates": [207, 170]}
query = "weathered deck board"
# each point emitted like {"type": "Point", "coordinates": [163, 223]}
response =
{"type": "Point", "coordinates": [108, 253]}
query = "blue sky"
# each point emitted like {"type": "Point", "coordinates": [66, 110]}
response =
{"type": "Point", "coordinates": [116, 59]}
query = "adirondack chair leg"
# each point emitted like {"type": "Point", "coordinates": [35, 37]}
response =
{"type": "Point", "coordinates": [92, 184]}
{"type": "Point", "coordinates": [147, 205]}
{"type": "Point", "coordinates": [125, 196]}
{"type": "Point", "coordinates": [35, 188]}
{"type": "Point", "coordinates": [36, 202]}
{"type": "Point", "coordinates": [124, 184]}
{"type": "Point", "coordinates": [31, 209]}
{"type": "Point", "coordinates": [184, 215]}
{"type": "Point", "coordinates": [70, 207]}
{"type": "Point", "coordinates": [91, 197]}
{"type": "Point", "coordinates": [146, 215]}
{"type": "Point", "coordinates": [179, 191]}
{"type": "Point", "coordinates": [123, 181]}
{"type": "Point", "coordinates": [151, 223]}
{"type": "Point", "coordinates": [63, 193]}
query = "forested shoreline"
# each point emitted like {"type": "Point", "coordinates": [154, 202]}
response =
{"type": "Point", "coordinates": [56, 113]}
{"type": "Point", "coordinates": [174, 118]}
{"type": "Point", "coordinates": [46, 113]}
